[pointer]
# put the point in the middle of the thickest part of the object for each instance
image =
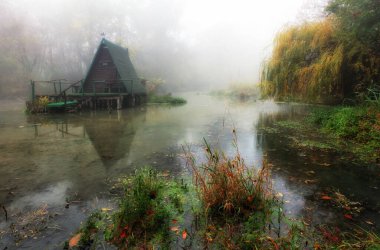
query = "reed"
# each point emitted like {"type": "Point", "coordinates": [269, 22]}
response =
{"type": "Point", "coordinates": [227, 187]}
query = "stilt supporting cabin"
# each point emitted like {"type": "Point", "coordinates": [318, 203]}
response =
{"type": "Point", "coordinates": [110, 83]}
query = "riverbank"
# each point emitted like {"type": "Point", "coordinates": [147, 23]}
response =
{"type": "Point", "coordinates": [357, 126]}
{"type": "Point", "coordinates": [227, 205]}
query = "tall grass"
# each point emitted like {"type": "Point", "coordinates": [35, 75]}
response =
{"type": "Point", "coordinates": [227, 187]}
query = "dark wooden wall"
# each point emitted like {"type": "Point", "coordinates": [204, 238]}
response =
{"type": "Point", "coordinates": [103, 69]}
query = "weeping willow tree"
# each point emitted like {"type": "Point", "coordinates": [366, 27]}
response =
{"type": "Point", "coordinates": [306, 64]}
{"type": "Point", "coordinates": [329, 60]}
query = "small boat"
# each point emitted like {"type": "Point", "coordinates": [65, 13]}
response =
{"type": "Point", "coordinates": [62, 106]}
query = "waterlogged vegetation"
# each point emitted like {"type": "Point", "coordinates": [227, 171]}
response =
{"type": "Point", "coordinates": [358, 125]}
{"type": "Point", "coordinates": [239, 90]}
{"type": "Point", "coordinates": [227, 205]}
{"type": "Point", "coordinates": [166, 99]}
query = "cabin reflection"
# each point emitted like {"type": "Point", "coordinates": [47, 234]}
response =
{"type": "Point", "coordinates": [111, 135]}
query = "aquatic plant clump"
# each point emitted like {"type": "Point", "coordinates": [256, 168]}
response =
{"type": "Point", "coordinates": [228, 187]}
{"type": "Point", "coordinates": [237, 202]}
{"type": "Point", "coordinates": [149, 205]}
{"type": "Point", "coordinates": [168, 99]}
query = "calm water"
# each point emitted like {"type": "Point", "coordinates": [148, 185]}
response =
{"type": "Point", "coordinates": [45, 159]}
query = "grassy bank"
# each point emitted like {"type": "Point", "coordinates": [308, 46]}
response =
{"type": "Point", "coordinates": [166, 99]}
{"type": "Point", "coordinates": [359, 125]}
{"type": "Point", "coordinates": [228, 205]}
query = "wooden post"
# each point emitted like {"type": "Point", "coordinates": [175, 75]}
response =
{"type": "Point", "coordinates": [60, 87]}
{"type": "Point", "coordinates": [55, 89]}
{"type": "Point", "coordinates": [119, 102]}
{"type": "Point", "coordinates": [33, 90]}
{"type": "Point", "coordinates": [81, 87]}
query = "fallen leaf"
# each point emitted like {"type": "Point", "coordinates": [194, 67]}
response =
{"type": "Point", "coordinates": [75, 240]}
{"type": "Point", "coordinates": [174, 221]}
{"type": "Point", "coordinates": [325, 164]}
{"type": "Point", "coordinates": [250, 198]}
{"type": "Point", "coordinates": [274, 243]}
{"type": "Point", "coordinates": [317, 246]}
{"type": "Point", "coordinates": [369, 222]}
{"type": "Point", "coordinates": [184, 234]}
{"type": "Point", "coordinates": [106, 209]}
{"type": "Point", "coordinates": [325, 197]}
{"type": "Point", "coordinates": [279, 195]}
{"type": "Point", "coordinates": [165, 174]}
{"type": "Point", "coordinates": [310, 181]}
{"type": "Point", "coordinates": [348, 216]}
{"type": "Point", "coordinates": [174, 229]}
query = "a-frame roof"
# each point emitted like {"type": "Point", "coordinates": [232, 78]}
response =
{"type": "Point", "coordinates": [124, 66]}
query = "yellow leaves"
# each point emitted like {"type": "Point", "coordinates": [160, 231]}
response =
{"type": "Point", "coordinates": [106, 209]}
{"type": "Point", "coordinates": [279, 195]}
{"type": "Point", "coordinates": [306, 62]}
{"type": "Point", "coordinates": [175, 229]}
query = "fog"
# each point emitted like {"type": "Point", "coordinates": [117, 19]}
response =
{"type": "Point", "coordinates": [189, 44]}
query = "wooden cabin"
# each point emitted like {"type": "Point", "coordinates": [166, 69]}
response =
{"type": "Point", "coordinates": [110, 83]}
{"type": "Point", "coordinates": [111, 76]}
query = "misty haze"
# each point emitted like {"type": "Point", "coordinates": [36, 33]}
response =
{"type": "Point", "coordinates": [189, 124]}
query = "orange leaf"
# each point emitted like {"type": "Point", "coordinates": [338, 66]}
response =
{"type": "Point", "coordinates": [184, 234]}
{"type": "Point", "coordinates": [174, 221]}
{"type": "Point", "coordinates": [325, 197]}
{"type": "Point", "coordinates": [250, 198]}
{"type": "Point", "coordinates": [174, 229]}
{"type": "Point", "coordinates": [348, 216]}
{"type": "Point", "coordinates": [75, 240]}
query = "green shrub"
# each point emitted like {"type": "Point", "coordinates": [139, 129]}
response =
{"type": "Point", "coordinates": [148, 206]}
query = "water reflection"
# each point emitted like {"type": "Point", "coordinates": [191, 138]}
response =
{"type": "Point", "coordinates": [112, 136]}
{"type": "Point", "coordinates": [86, 149]}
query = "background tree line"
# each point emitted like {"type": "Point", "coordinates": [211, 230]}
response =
{"type": "Point", "coordinates": [59, 41]}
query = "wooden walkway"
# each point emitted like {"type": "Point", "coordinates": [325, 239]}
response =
{"type": "Point", "coordinates": [73, 98]}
